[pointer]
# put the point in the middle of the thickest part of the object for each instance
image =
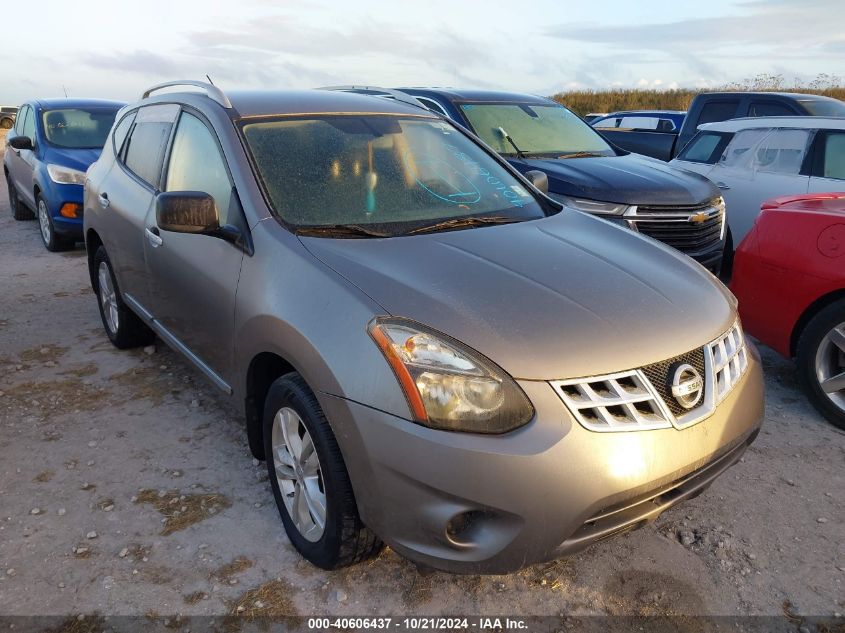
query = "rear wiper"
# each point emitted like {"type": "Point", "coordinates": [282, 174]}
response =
{"type": "Point", "coordinates": [581, 155]}
{"type": "Point", "coordinates": [455, 223]}
{"type": "Point", "coordinates": [340, 230]}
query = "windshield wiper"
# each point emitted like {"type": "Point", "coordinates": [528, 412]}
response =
{"type": "Point", "coordinates": [455, 223]}
{"type": "Point", "coordinates": [340, 230]}
{"type": "Point", "coordinates": [581, 155]}
{"type": "Point", "coordinates": [508, 138]}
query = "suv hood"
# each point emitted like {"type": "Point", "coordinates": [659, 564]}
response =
{"type": "Point", "coordinates": [627, 179]}
{"type": "Point", "coordinates": [80, 159]}
{"type": "Point", "coordinates": [561, 297]}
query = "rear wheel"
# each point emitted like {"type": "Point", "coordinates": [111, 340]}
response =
{"type": "Point", "coordinates": [19, 210]}
{"type": "Point", "coordinates": [123, 327]}
{"type": "Point", "coordinates": [309, 479]}
{"type": "Point", "coordinates": [6, 123]}
{"type": "Point", "coordinates": [821, 362]}
{"type": "Point", "coordinates": [52, 241]}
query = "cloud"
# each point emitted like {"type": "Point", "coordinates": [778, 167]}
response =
{"type": "Point", "coordinates": [768, 24]}
{"type": "Point", "coordinates": [139, 61]}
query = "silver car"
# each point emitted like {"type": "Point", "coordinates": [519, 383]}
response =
{"type": "Point", "coordinates": [430, 352]}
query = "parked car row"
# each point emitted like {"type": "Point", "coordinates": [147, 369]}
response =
{"type": "Point", "coordinates": [444, 332]}
{"type": "Point", "coordinates": [51, 146]}
{"type": "Point", "coordinates": [713, 107]}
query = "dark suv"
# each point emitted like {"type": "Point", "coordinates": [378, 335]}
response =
{"type": "Point", "coordinates": [7, 117]}
{"type": "Point", "coordinates": [586, 172]}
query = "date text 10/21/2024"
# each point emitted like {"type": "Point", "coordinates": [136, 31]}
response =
{"type": "Point", "coordinates": [418, 623]}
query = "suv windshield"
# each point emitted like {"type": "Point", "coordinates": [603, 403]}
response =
{"type": "Point", "coordinates": [381, 175]}
{"type": "Point", "coordinates": [544, 130]}
{"type": "Point", "coordinates": [78, 128]}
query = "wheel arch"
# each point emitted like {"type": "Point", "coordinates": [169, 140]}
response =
{"type": "Point", "coordinates": [92, 243]}
{"type": "Point", "coordinates": [264, 369]}
{"type": "Point", "coordinates": [812, 310]}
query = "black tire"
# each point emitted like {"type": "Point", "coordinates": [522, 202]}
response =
{"type": "Point", "coordinates": [6, 123]}
{"type": "Point", "coordinates": [131, 331]}
{"type": "Point", "coordinates": [19, 211]}
{"type": "Point", "coordinates": [808, 345]}
{"type": "Point", "coordinates": [345, 539]}
{"type": "Point", "coordinates": [52, 241]}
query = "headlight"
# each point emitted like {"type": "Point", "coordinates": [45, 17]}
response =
{"type": "Point", "coordinates": [591, 206]}
{"type": "Point", "coordinates": [449, 386]}
{"type": "Point", "coordinates": [719, 203]}
{"type": "Point", "coordinates": [65, 175]}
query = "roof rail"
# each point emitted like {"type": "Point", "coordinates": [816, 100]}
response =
{"type": "Point", "coordinates": [211, 90]}
{"type": "Point", "coordinates": [398, 95]}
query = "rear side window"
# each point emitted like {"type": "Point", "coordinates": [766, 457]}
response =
{"type": "Point", "coordinates": [121, 130]}
{"type": "Point", "coordinates": [706, 147]}
{"type": "Point", "coordinates": [780, 151]}
{"type": "Point", "coordinates": [714, 111]}
{"type": "Point", "coordinates": [196, 164]}
{"type": "Point", "coordinates": [834, 156]}
{"type": "Point", "coordinates": [769, 108]}
{"type": "Point", "coordinates": [144, 151]}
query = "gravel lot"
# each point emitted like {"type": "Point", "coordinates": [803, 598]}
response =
{"type": "Point", "coordinates": [126, 487]}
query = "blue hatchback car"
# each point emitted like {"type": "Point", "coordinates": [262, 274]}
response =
{"type": "Point", "coordinates": [53, 143]}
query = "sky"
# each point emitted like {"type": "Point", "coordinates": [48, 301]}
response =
{"type": "Point", "coordinates": [114, 48]}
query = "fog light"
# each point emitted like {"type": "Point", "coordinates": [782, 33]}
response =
{"type": "Point", "coordinates": [462, 528]}
{"type": "Point", "coordinates": [69, 210]}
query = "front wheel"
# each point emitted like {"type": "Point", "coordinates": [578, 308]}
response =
{"type": "Point", "coordinates": [821, 362]}
{"type": "Point", "coordinates": [309, 479]}
{"type": "Point", "coordinates": [52, 242]}
{"type": "Point", "coordinates": [6, 123]}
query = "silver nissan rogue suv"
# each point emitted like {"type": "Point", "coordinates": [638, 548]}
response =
{"type": "Point", "coordinates": [431, 353]}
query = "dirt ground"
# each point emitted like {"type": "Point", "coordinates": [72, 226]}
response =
{"type": "Point", "coordinates": [127, 488]}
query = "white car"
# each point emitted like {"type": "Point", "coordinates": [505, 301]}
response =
{"type": "Point", "coordinates": [754, 159]}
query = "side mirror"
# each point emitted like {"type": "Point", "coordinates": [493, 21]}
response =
{"type": "Point", "coordinates": [187, 212]}
{"type": "Point", "coordinates": [21, 142]}
{"type": "Point", "coordinates": [539, 179]}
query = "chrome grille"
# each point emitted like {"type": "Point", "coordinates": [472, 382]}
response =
{"type": "Point", "coordinates": [641, 399]}
{"type": "Point", "coordinates": [690, 229]}
{"type": "Point", "coordinates": [730, 360]}
{"type": "Point", "coordinates": [618, 402]}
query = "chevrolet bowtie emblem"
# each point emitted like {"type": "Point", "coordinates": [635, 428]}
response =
{"type": "Point", "coordinates": [698, 218]}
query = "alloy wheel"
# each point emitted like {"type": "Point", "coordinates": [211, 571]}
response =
{"type": "Point", "coordinates": [44, 221]}
{"type": "Point", "coordinates": [830, 365]}
{"type": "Point", "coordinates": [108, 298]}
{"type": "Point", "coordinates": [299, 474]}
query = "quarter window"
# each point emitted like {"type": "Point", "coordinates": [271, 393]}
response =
{"type": "Point", "coordinates": [144, 150]}
{"type": "Point", "coordinates": [834, 156]}
{"type": "Point", "coordinates": [121, 130]}
{"type": "Point", "coordinates": [197, 165]}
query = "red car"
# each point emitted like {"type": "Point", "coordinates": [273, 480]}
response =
{"type": "Point", "coordinates": [789, 277]}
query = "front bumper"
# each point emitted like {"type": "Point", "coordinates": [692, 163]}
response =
{"type": "Point", "coordinates": [56, 195]}
{"type": "Point", "coordinates": [487, 504]}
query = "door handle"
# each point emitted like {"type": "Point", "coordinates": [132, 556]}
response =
{"type": "Point", "coordinates": [723, 186]}
{"type": "Point", "coordinates": [104, 200]}
{"type": "Point", "coordinates": [153, 237]}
